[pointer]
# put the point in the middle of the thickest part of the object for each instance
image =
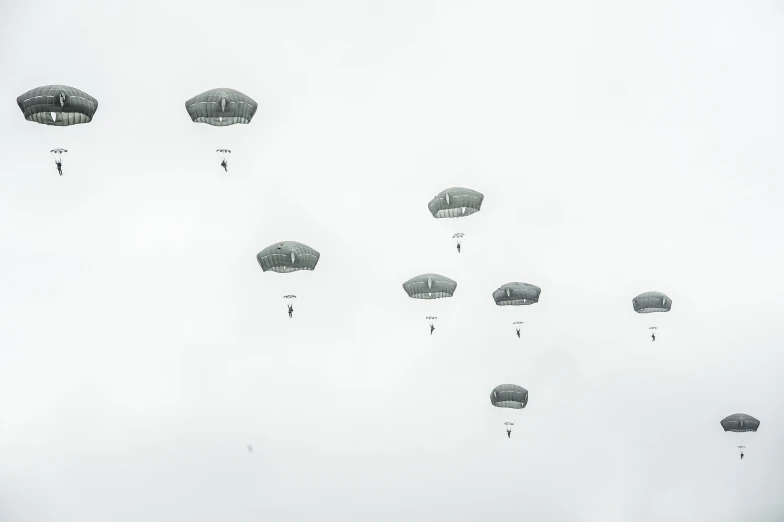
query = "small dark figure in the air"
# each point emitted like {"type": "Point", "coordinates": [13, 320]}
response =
{"type": "Point", "coordinates": [59, 167]}
{"type": "Point", "coordinates": [741, 455]}
{"type": "Point", "coordinates": [653, 336]}
{"type": "Point", "coordinates": [518, 333]}
{"type": "Point", "coordinates": [432, 327]}
{"type": "Point", "coordinates": [508, 433]}
{"type": "Point", "coordinates": [225, 165]}
{"type": "Point", "coordinates": [458, 248]}
{"type": "Point", "coordinates": [291, 311]}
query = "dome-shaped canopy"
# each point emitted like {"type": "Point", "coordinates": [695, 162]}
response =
{"type": "Point", "coordinates": [430, 286]}
{"type": "Point", "coordinates": [288, 256]}
{"type": "Point", "coordinates": [58, 105]}
{"type": "Point", "coordinates": [648, 302]}
{"type": "Point", "coordinates": [456, 202]}
{"type": "Point", "coordinates": [509, 396]}
{"type": "Point", "coordinates": [517, 294]}
{"type": "Point", "coordinates": [740, 422]}
{"type": "Point", "coordinates": [221, 107]}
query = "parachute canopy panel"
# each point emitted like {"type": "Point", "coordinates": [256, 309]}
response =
{"type": "Point", "coordinates": [456, 202]}
{"type": "Point", "coordinates": [740, 422]}
{"type": "Point", "coordinates": [430, 286]}
{"type": "Point", "coordinates": [58, 105]}
{"type": "Point", "coordinates": [221, 107]}
{"type": "Point", "coordinates": [517, 294]}
{"type": "Point", "coordinates": [648, 302]}
{"type": "Point", "coordinates": [287, 256]}
{"type": "Point", "coordinates": [509, 396]}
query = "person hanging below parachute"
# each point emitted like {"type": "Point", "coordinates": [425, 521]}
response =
{"type": "Point", "coordinates": [290, 305]}
{"type": "Point", "coordinates": [57, 154]}
{"type": "Point", "coordinates": [58, 106]}
{"type": "Point", "coordinates": [518, 328]}
{"type": "Point", "coordinates": [509, 396]}
{"type": "Point", "coordinates": [221, 107]}
{"type": "Point", "coordinates": [651, 302]}
{"type": "Point", "coordinates": [287, 257]}
{"type": "Point", "coordinates": [456, 202]}
{"type": "Point", "coordinates": [430, 286]}
{"type": "Point", "coordinates": [224, 154]}
{"type": "Point", "coordinates": [458, 236]}
{"type": "Point", "coordinates": [431, 318]}
{"type": "Point", "coordinates": [740, 423]}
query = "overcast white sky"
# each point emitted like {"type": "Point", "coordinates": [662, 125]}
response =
{"type": "Point", "coordinates": [621, 148]}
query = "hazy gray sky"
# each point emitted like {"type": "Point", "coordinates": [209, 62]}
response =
{"type": "Point", "coordinates": [621, 148]}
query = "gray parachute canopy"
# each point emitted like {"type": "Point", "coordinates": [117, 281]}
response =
{"type": "Point", "coordinates": [509, 396]}
{"type": "Point", "coordinates": [516, 294]}
{"type": "Point", "coordinates": [740, 422]}
{"type": "Point", "coordinates": [648, 302]}
{"type": "Point", "coordinates": [287, 256]}
{"type": "Point", "coordinates": [221, 107]}
{"type": "Point", "coordinates": [58, 105]}
{"type": "Point", "coordinates": [430, 286]}
{"type": "Point", "coordinates": [456, 202]}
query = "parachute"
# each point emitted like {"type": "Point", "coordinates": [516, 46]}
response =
{"type": "Point", "coordinates": [221, 107]}
{"type": "Point", "coordinates": [649, 302]}
{"type": "Point", "coordinates": [739, 422]}
{"type": "Point", "coordinates": [455, 202]}
{"type": "Point", "coordinates": [289, 298]}
{"type": "Point", "coordinates": [430, 286]}
{"type": "Point", "coordinates": [509, 396]}
{"type": "Point", "coordinates": [287, 256]}
{"type": "Point", "coordinates": [516, 294]}
{"type": "Point", "coordinates": [58, 105]}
